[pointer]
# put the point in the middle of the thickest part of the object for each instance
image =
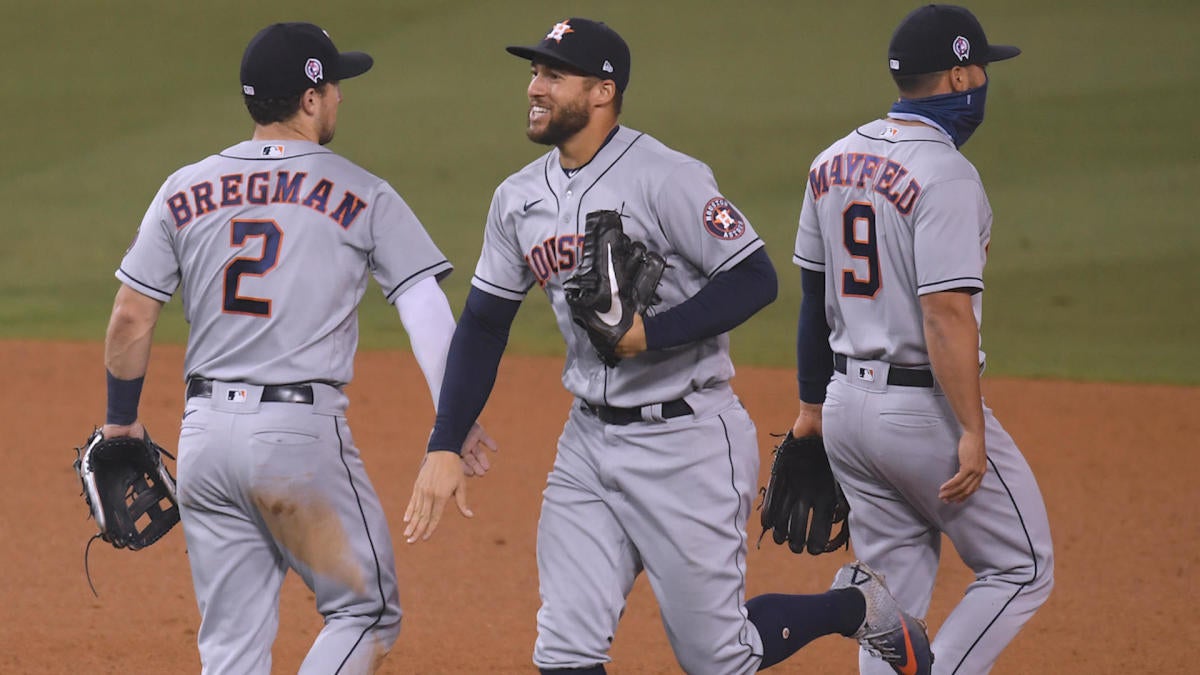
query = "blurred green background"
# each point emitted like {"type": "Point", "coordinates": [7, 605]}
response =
{"type": "Point", "coordinates": [1090, 148]}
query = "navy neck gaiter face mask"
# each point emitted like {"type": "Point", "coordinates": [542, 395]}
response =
{"type": "Point", "coordinates": [958, 114]}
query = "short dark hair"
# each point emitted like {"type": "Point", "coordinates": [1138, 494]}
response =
{"type": "Point", "coordinates": [271, 110]}
{"type": "Point", "coordinates": [917, 86]}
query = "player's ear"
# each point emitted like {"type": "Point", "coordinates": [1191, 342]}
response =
{"type": "Point", "coordinates": [310, 100]}
{"type": "Point", "coordinates": [960, 79]}
{"type": "Point", "coordinates": [603, 93]}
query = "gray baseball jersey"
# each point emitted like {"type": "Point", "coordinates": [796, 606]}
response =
{"type": "Point", "coordinates": [670, 202]}
{"type": "Point", "coordinates": [272, 244]}
{"type": "Point", "coordinates": [888, 227]}
{"type": "Point", "coordinates": [892, 212]}
{"type": "Point", "coordinates": [669, 495]}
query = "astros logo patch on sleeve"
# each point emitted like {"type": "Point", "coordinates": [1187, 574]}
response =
{"type": "Point", "coordinates": [722, 220]}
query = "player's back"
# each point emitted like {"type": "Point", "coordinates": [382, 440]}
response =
{"type": "Point", "coordinates": [892, 205]}
{"type": "Point", "coordinates": [273, 244]}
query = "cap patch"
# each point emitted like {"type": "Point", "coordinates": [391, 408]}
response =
{"type": "Point", "coordinates": [962, 48]}
{"type": "Point", "coordinates": [247, 90]}
{"type": "Point", "coordinates": [894, 64]}
{"type": "Point", "coordinates": [722, 220]}
{"type": "Point", "coordinates": [607, 67]}
{"type": "Point", "coordinates": [314, 70]}
{"type": "Point", "coordinates": [560, 29]}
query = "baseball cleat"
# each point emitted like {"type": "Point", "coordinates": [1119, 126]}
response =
{"type": "Point", "coordinates": [887, 631]}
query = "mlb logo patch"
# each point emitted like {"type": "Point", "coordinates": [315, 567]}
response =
{"type": "Point", "coordinates": [272, 151]}
{"type": "Point", "coordinates": [866, 374]}
{"type": "Point", "coordinates": [236, 396]}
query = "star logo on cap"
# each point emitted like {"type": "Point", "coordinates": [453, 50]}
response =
{"type": "Point", "coordinates": [962, 48]}
{"type": "Point", "coordinates": [560, 29]}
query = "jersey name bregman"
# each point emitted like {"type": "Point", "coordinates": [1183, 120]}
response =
{"type": "Point", "coordinates": [237, 189]}
{"type": "Point", "coordinates": [866, 171]}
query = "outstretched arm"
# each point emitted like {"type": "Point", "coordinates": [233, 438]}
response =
{"type": "Point", "coordinates": [471, 367]}
{"type": "Point", "coordinates": [126, 358]}
{"type": "Point", "coordinates": [425, 313]}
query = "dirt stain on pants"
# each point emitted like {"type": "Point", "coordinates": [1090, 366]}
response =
{"type": "Point", "coordinates": [310, 530]}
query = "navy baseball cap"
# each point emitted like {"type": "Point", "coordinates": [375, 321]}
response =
{"type": "Point", "coordinates": [285, 59]}
{"type": "Point", "coordinates": [590, 47]}
{"type": "Point", "coordinates": [938, 37]}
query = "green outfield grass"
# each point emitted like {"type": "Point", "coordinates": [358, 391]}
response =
{"type": "Point", "coordinates": [1090, 150]}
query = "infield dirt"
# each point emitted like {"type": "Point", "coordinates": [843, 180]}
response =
{"type": "Point", "coordinates": [1117, 465]}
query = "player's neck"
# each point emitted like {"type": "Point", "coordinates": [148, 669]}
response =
{"type": "Point", "coordinates": [583, 146]}
{"type": "Point", "coordinates": [907, 123]}
{"type": "Point", "coordinates": [284, 131]}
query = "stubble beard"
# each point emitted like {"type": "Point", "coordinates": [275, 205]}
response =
{"type": "Point", "coordinates": [564, 123]}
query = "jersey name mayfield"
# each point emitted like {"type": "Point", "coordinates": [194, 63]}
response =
{"type": "Point", "coordinates": [863, 170]}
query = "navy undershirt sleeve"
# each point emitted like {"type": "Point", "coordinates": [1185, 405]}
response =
{"type": "Point", "coordinates": [475, 350]}
{"type": "Point", "coordinates": [722, 304]}
{"type": "Point", "coordinates": [814, 356]}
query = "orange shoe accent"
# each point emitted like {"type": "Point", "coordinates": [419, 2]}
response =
{"type": "Point", "coordinates": [910, 655]}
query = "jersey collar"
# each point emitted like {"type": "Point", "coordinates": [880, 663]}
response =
{"type": "Point", "coordinates": [571, 173]}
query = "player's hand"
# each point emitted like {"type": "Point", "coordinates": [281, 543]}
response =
{"type": "Point", "coordinates": [633, 342]}
{"type": "Point", "coordinates": [808, 422]}
{"type": "Point", "coordinates": [972, 464]}
{"type": "Point", "coordinates": [135, 430]}
{"type": "Point", "coordinates": [475, 449]}
{"type": "Point", "coordinates": [441, 476]}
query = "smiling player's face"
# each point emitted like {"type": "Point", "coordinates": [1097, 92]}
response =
{"type": "Point", "coordinates": [559, 104]}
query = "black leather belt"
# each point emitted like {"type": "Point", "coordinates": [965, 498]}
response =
{"type": "Point", "coordinates": [623, 416]}
{"type": "Point", "coordinates": [272, 393]}
{"type": "Point", "coordinates": [902, 377]}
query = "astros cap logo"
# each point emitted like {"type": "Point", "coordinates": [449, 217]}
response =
{"type": "Point", "coordinates": [962, 48]}
{"type": "Point", "coordinates": [314, 70]}
{"type": "Point", "coordinates": [560, 29]}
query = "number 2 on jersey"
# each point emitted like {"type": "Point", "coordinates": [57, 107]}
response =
{"type": "Point", "coordinates": [861, 243]}
{"type": "Point", "coordinates": [240, 231]}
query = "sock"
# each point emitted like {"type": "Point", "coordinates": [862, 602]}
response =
{"type": "Point", "coordinates": [788, 622]}
{"type": "Point", "coordinates": [594, 670]}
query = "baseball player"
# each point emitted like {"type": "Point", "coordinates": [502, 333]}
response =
{"type": "Point", "coordinates": [270, 243]}
{"type": "Point", "coordinates": [657, 463]}
{"type": "Point", "coordinates": [892, 242]}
